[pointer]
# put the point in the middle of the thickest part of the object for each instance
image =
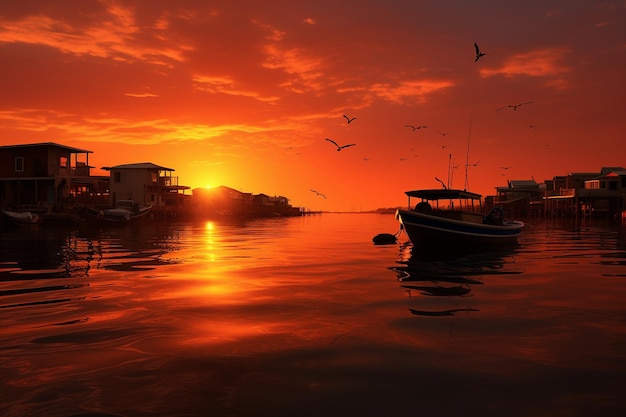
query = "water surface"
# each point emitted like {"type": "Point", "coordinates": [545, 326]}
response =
{"type": "Point", "coordinates": [305, 316]}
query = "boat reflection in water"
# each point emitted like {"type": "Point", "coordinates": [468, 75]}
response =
{"type": "Point", "coordinates": [444, 281]}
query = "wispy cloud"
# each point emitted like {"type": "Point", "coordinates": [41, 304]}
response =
{"type": "Point", "coordinates": [140, 95]}
{"type": "Point", "coordinates": [110, 129]}
{"type": "Point", "coordinates": [540, 63]}
{"type": "Point", "coordinates": [304, 70]}
{"type": "Point", "coordinates": [410, 89]}
{"type": "Point", "coordinates": [227, 85]}
{"type": "Point", "coordinates": [116, 36]}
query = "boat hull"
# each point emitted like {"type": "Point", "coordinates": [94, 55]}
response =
{"type": "Point", "coordinates": [22, 218]}
{"type": "Point", "coordinates": [433, 230]}
{"type": "Point", "coordinates": [114, 217]}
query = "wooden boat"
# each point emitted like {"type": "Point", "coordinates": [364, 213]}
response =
{"type": "Point", "coordinates": [22, 217]}
{"type": "Point", "coordinates": [446, 219]}
{"type": "Point", "coordinates": [125, 211]}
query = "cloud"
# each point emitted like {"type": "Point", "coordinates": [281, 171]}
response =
{"type": "Point", "coordinates": [540, 63]}
{"type": "Point", "coordinates": [410, 89]}
{"type": "Point", "coordinates": [116, 36]}
{"type": "Point", "coordinates": [111, 129]}
{"type": "Point", "coordinates": [140, 95]}
{"type": "Point", "coordinates": [226, 85]}
{"type": "Point", "coordinates": [273, 34]}
{"type": "Point", "coordinates": [304, 69]}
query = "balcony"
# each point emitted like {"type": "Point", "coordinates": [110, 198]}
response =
{"type": "Point", "coordinates": [167, 182]}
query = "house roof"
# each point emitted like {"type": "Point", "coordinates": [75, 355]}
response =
{"type": "Point", "coordinates": [606, 170]}
{"type": "Point", "coordinates": [227, 189]}
{"type": "Point", "coordinates": [140, 165]}
{"type": "Point", "coordinates": [522, 183]}
{"type": "Point", "coordinates": [616, 173]}
{"type": "Point", "coordinates": [50, 144]}
{"type": "Point", "coordinates": [583, 174]}
{"type": "Point", "coordinates": [220, 189]}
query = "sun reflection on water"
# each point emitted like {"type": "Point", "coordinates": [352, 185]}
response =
{"type": "Point", "coordinates": [210, 240]}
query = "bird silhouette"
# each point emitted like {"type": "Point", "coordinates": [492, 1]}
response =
{"type": "Point", "coordinates": [475, 164]}
{"type": "Point", "coordinates": [514, 106]}
{"type": "Point", "coordinates": [444, 146]}
{"type": "Point", "coordinates": [416, 127]}
{"type": "Point", "coordinates": [505, 168]}
{"type": "Point", "coordinates": [478, 53]}
{"type": "Point", "coordinates": [349, 119]}
{"type": "Point", "coordinates": [339, 147]}
{"type": "Point", "coordinates": [318, 193]}
{"type": "Point", "coordinates": [443, 133]}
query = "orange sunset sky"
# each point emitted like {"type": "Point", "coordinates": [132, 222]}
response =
{"type": "Point", "coordinates": [244, 93]}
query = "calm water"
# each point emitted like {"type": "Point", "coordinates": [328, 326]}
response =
{"type": "Point", "coordinates": [306, 317]}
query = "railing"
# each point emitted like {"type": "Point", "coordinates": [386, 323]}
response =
{"type": "Point", "coordinates": [167, 181]}
{"type": "Point", "coordinates": [80, 171]}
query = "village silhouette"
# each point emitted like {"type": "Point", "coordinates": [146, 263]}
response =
{"type": "Point", "coordinates": [55, 181]}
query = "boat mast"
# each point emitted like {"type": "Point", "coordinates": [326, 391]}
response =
{"type": "Point", "coordinates": [449, 169]}
{"type": "Point", "coordinates": [452, 172]}
{"type": "Point", "coordinates": [467, 155]}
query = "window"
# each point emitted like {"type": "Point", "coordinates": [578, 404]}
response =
{"type": "Point", "coordinates": [117, 177]}
{"type": "Point", "coordinates": [63, 161]}
{"type": "Point", "coordinates": [19, 164]}
{"type": "Point", "coordinates": [592, 185]}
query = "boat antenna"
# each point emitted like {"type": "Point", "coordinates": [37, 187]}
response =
{"type": "Point", "coordinates": [449, 169]}
{"type": "Point", "coordinates": [452, 172]}
{"type": "Point", "coordinates": [469, 135]}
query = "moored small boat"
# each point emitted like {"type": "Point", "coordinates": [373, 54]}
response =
{"type": "Point", "coordinates": [22, 217]}
{"type": "Point", "coordinates": [125, 211]}
{"type": "Point", "coordinates": [449, 219]}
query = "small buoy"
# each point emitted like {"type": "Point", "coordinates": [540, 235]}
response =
{"type": "Point", "coordinates": [384, 239]}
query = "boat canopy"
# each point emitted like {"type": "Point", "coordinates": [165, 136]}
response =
{"type": "Point", "coordinates": [443, 194]}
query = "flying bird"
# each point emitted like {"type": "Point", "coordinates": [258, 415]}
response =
{"type": "Point", "coordinates": [443, 133]}
{"type": "Point", "coordinates": [339, 147]}
{"type": "Point", "coordinates": [444, 146]}
{"type": "Point", "coordinates": [475, 164]}
{"type": "Point", "coordinates": [514, 106]}
{"type": "Point", "coordinates": [318, 193]}
{"type": "Point", "coordinates": [478, 53]}
{"type": "Point", "coordinates": [505, 168]}
{"type": "Point", "coordinates": [349, 119]}
{"type": "Point", "coordinates": [416, 127]}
